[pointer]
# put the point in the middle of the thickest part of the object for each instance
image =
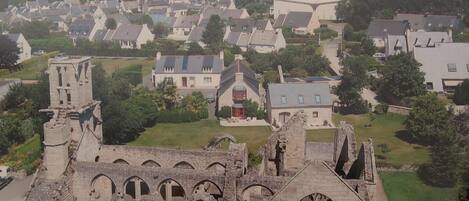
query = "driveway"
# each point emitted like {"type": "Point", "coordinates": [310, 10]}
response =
{"type": "Point", "coordinates": [16, 190]}
{"type": "Point", "coordinates": [330, 47]}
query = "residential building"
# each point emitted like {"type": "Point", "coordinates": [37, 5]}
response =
{"type": "Point", "coordinates": [325, 9]}
{"type": "Point", "coordinates": [22, 44]}
{"type": "Point", "coordinates": [431, 22]}
{"type": "Point", "coordinates": [266, 41]}
{"type": "Point", "coordinates": [102, 14]}
{"type": "Point", "coordinates": [238, 84]}
{"type": "Point", "coordinates": [81, 27]}
{"type": "Point", "coordinates": [286, 99]}
{"type": "Point", "coordinates": [129, 36]}
{"type": "Point", "coordinates": [224, 13]}
{"type": "Point", "coordinates": [195, 36]}
{"type": "Point", "coordinates": [182, 27]}
{"type": "Point", "coordinates": [300, 22]}
{"type": "Point", "coordinates": [378, 30]}
{"type": "Point", "coordinates": [197, 72]}
{"type": "Point", "coordinates": [445, 65]}
{"type": "Point", "coordinates": [406, 43]}
{"type": "Point", "coordinates": [249, 25]}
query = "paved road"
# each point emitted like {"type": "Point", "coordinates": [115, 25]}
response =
{"type": "Point", "coordinates": [16, 190]}
{"type": "Point", "coordinates": [329, 50]}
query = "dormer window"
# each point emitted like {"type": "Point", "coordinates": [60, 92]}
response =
{"type": "Point", "coordinates": [317, 99]}
{"type": "Point", "coordinates": [301, 99]}
{"type": "Point", "coordinates": [168, 69]}
{"type": "Point", "coordinates": [207, 69]}
{"type": "Point", "coordinates": [452, 68]}
{"type": "Point", "coordinates": [283, 100]}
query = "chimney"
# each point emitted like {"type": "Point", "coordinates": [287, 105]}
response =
{"type": "Point", "coordinates": [280, 74]}
{"type": "Point", "coordinates": [158, 56]}
{"type": "Point", "coordinates": [222, 55]}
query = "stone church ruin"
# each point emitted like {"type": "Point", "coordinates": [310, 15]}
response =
{"type": "Point", "coordinates": [78, 166]}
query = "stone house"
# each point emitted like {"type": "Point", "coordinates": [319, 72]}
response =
{"type": "Point", "coordinates": [266, 41]}
{"type": "Point", "coordinates": [238, 83]}
{"type": "Point", "coordinates": [300, 22]}
{"type": "Point", "coordinates": [378, 30]}
{"type": "Point", "coordinates": [431, 22]}
{"type": "Point", "coordinates": [182, 27]}
{"type": "Point", "coordinates": [325, 9]}
{"type": "Point", "coordinates": [286, 99]}
{"type": "Point", "coordinates": [395, 44]}
{"type": "Point", "coordinates": [22, 44]}
{"type": "Point", "coordinates": [195, 72]}
{"type": "Point", "coordinates": [102, 14]}
{"type": "Point", "coordinates": [130, 36]}
{"type": "Point", "coordinates": [445, 65]}
{"type": "Point", "coordinates": [81, 27]}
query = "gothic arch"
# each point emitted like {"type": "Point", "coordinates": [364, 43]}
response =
{"type": "Point", "coordinates": [170, 187]}
{"type": "Point", "coordinates": [255, 192]}
{"type": "Point", "coordinates": [216, 167]}
{"type": "Point", "coordinates": [184, 165]}
{"type": "Point", "coordinates": [132, 184]}
{"type": "Point", "coordinates": [206, 190]}
{"type": "Point", "coordinates": [121, 161]}
{"type": "Point", "coordinates": [102, 188]}
{"type": "Point", "coordinates": [316, 197]}
{"type": "Point", "coordinates": [151, 163]}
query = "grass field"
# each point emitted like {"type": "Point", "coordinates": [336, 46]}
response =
{"type": "Point", "coordinates": [111, 65]}
{"type": "Point", "coordinates": [25, 156]}
{"type": "Point", "coordinates": [31, 68]}
{"type": "Point", "coordinates": [406, 186]}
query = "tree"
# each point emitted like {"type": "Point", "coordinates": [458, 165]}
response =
{"type": "Point", "coordinates": [427, 117]}
{"type": "Point", "coordinates": [213, 34]}
{"type": "Point", "coordinates": [195, 49]}
{"type": "Point", "coordinates": [228, 57]}
{"type": "Point", "coordinates": [250, 108]}
{"type": "Point", "coordinates": [196, 103]}
{"type": "Point", "coordinates": [354, 79]}
{"type": "Point", "coordinates": [160, 30]}
{"type": "Point", "coordinates": [402, 78]}
{"type": "Point", "coordinates": [8, 54]}
{"type": "Point", "coordinates": [298, 72]}
{"type": "Point", "coordinates": [168, 91]}
{"type": "Point", "coordinates": [368, 47]}
{"type": "Point", "coordinates": [32, 30]}
{"type": "Point", "coordinates": [461, 93]}
{"type": "Point", "coordinates": [110, 23]}
{"type": "Point", "coordinates": [225, 112]}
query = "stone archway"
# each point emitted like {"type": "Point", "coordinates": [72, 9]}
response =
{"type": "Point", "coordinates": [206, 191]}
{"type": "Point", "coordinates": [102, 188]}
{"type": "Point", "coordinates": [171, 190]}
{"type": "Point", "coordinates": [217, 168]}
{"type": "Point", "coordinates": [135, 187]}
{"type": "Point", "coordinates": [121, 161]}
{"type": "Point", "coordinates": [316, 197]}
{"type": "Point", "coordinates": [257, 192]}
{"type": "Point", "coordinates": [184, 165]}
{"type": "Point", "coordinates": [151, 163]}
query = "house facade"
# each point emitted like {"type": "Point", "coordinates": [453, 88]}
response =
{"type": "Point", "coordinates": [22, 44]}
{"type": "Point", "coordinates": [286, 99]}
{"type": "Point", "coordinates": [378, 30]}
{"type": "Point", "coordinates": [130, 36]}
{"type": "Point", "coordinates": [445, 66]}
{"type": "Point", "coordinates": [238, 84]}
{"type": "Point", "coordinates": [300, 22]}
{"type": "Point", "coordinates": [325, 9]}
{"type": "Point", "coordinates": [189, 72]}
{"type": "Point", "coordinates": [182, 27]}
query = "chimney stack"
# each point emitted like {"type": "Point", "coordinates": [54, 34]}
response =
{"type": "Point", "coordinates": [280, 74]}
{"type": "Point", "coordinates": [158, 56]}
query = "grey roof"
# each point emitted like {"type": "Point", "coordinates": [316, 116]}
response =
{"type": "Point", "coordinates": [179, 6]}
{"type": "Point", "coordinates": [263, 37]}
{"type": "Point", "coordinates": [127, 32]}
{"type": "Point", "coordinates": [191, 64]}
{"type": "Point", "coordinates": [99, 35]}
{"type": "Point", "coordinates": [240, 39]}
{"type": "Point", "coordinates": [279, 22]}
{"type": "Point", "coordinates": [82, 26]}
{"type": "Point", "coordinates": [431, 22]}
{"type": "Point", "coordinates": [13, 36]}
{"type": "Point", "coordinates": [292, 92]}
{"type": "Point", "coordinates": [196, 34]}
{"type": "Point", "coordinates": [54, 12]}
{"type": "Point", "coordinates": [416, 21]}
{"type": "Point", "coordinates": [186, 21]}
{"type": "Point", "coordinates": [382, 28]}
{"type": "Point", "coordinates": [426, 39]}
{"type": "Point", "coordinates": [294, 19]}
{"type": "Point", "coordinates": [43, 2]}
{"type": "Point", "coordinates": [247, 25]}
{"type": "Point", "coordinates": [233, 38]}
{"type": "Point", "coordinates": [224, 14]}
{"type": "Point", "coordinates": [229, 74]}
{"type": "Point", "coordinates": [157, 2]}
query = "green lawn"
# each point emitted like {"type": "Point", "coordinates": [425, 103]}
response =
{"type": "Point", "coordinates": [385, 130]}
{"type": "Point", "coordinates": [196, 135]}
{"type": "Point", "coordinates": [25, 156]}
{"type": "Point", "coordinates": [31, 68]}
{"type": "Point", "coordinates": [406, 186]}
{"type": "Point", "coordinates": [111, 65]}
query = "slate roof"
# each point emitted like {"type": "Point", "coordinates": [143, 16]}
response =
{"type": "Point", "coordinates": [294, 20]}
{"type": "Point", "coordinates": [224, 14]}
{"type": "Point", "coordinates": [196, 34]}
{"type": "Point", "coordinates": [416, 22]}
{"type": "Point", "coordinates": [13, 36]}
{"type": "Point", "coordinates": [127, 32]}
{"type": "Point", "coordinates": [425, 39]}
{"type": "Point", "coordinates": [229, 74]}
{"type": "Point", "coordinates": [179, 6]}
{"type": "Point", "coordinates": [157, 2]}
{"type": "Point", "coordinates": [240, 39]}
{"type": "Point", "coordinates": [382, 28]}
{"type": "Point", "coordinates": [82, 26]}
{"type": "Point", "coordinates": [293, 90]}
{"type": "Point", "coordinates": [191, 64]}
{"type": "Point", "coordinates": [247, 25]}
{"type": "Point", "coordinates": [431, 22]}
{"type": "Point", "coordinates": [263, 37]}
{"type": "Point", "coordinates": [186, 21]}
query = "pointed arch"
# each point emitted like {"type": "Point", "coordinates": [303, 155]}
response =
{"type": "Point", "coordinates": [184, 165]}
{"type": "Point", "coordinates": [121, 161]}
{"type": "Point", "coordinates": [256, 192]}
{"type": "Point", "coordinates": [170, 187]}
{"type": "Point", "coordinates": [151, 163]}
{"type": "Point", "coordinates": [217, 167]}
{"type": "Point", "coordinates": [316, 197]}
{"type": "Point", "coordinates": [102, 187]}
{"type": "Point", "coordinates": [206, 187]}
{"type": "Point", "coordinates": [132, 184]}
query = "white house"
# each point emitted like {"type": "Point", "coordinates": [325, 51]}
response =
{"type": "Point", "coordinates": [325, 9]}
{"type": "Point", "coordinates": [130, 36]}
{"type": "Point", "coordinates": [23, 45]}
{"type": "Point", "coordinates": [183, 26]}
{"type": "Point", "coordinates": [266, 41]}
{"type": "Point", "coordinates": [445, 65]}
{"type": "Point", "coordinates": [300, 22]}
{"type": "Point", "coordinates": [395, 44]}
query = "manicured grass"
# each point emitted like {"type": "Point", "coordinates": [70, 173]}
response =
{"type": "Point", "coordinates": [31, 68]}
{"type": "Point", "coordinates": [111, 65]}
{"type": "Point", "coordinates": [196, 135]}
{"type": "Point", "coordinates": [406, 186]}
{"type": "Point", "coordinates": [387, 129]}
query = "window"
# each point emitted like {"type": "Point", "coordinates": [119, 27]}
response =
{"type": "Point", "coordinates": [168, 69]}
{"type": "Point", "coordinates": [452, 67]}
{"type": "Point", "coordinates": [467, 67]}
{"type": "Point", "coordinates": [207, 80]}
{"type": "Point", "coordinates": [207, 69]}
{"type": "Point", "coordinates": [301, 99]}
{"type": "Point", "coordinates": [69, 99]}
{"type": "Point", "coordinates": [315, 114]}
{"type": "Point", "coordinates": [168, 80]}
{"type": "Point", "coordinates": [317, 98]}
{"type": "Point", "coordinates": [283, 99]}
{"type": "Point", "coordinates": [429, 85]}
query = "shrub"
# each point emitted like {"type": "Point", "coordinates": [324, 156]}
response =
{"type": "Point", "coordinates": [326, 33]}
{"type": "Point", "coordinates": [225, 112]}
{"type": "Point", "coordinates": [261, 114]}
{"type": "Point", "coordinates": [176, 116]}
{"type": "Point", "coordinates": [382, 108]}
{"type": "Point", "coordinates": [384, 148]}
{"type": "Point", "coordinates": [254, 159]}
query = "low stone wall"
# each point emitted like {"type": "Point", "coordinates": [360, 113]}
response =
{"type": "Point", "coordinates": [399, 109]}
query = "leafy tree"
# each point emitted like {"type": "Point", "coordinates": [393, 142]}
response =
{"type": "Point", "coordinates": [110, 23]}
{"type": "Point", "coordinates": [298, 72]}
{"type": "Point", "coordinates": [250, 108]}
{"type": "Point", "coordinates": [100, 84]}
{"type": "Point", "coordinates": [10, 133]}
{"type": "Point", "coordinates": [195, 49]}
{"type": "Point", "coordinates": [32, 30]}
{"type": "Point", "coordinates": [168, 91]}
{"type": "Point", "coordinates": [160, 30]}
{"type": "Point", "coordinates": [354, 79]}
{"type": "Point", "coordinates": [461, 93]}
{"type": "Point", "coordinates": [228, 57]}
{"type": "Point", "coordinates": [8, 54]}
{"type": "Point", "coordinates": [402, 78]}
{"type": "Point", "coordinates": [368, 47]}
{"type": "Point", "coordinates": [427, 117]}
{"type": "Point", "coordinates": [213, 34]}
{"type": "Point", "coordinates": [196, 103]}
{"type": "Point", "coordinates": [225, 112]}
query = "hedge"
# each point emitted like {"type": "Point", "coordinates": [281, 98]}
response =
{"type": "Point", "coordinates": [176, 116]}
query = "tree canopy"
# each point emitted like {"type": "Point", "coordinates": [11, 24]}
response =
{"type": "Point", "coordinates": [354, 79]}
{"type": "Point", "coordinates": [461, 93]}
{"type": "Point", "coordinates": [9, 52]}
{"type": "Point", "coordinates": [32, 30]}
{"type": "Point", "coordinates": [213, 34]}
{"type": "Point", "coordinates": [110, 23]}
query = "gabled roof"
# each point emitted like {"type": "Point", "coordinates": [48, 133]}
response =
{"type": "Point", "coordinates": [191, 64]}
{"type": "Point", "coordinates": [263, 37]}
{"type": "Point", "coordinates": [425, 39]}
{"type": "Point", "coordinates": [225, 14]}
{"type": "Point", "coordinates": [381, 28]}
{"type": "Point", "coordinates": [247, 25]}
{"type": "Point", "coordinates": [14, 36]}
{"type": "Point", "coordinates": [294, 20]}
{"type": "Point", "coordinates": [196, 34]}
{"type": "Point", "coordinates": [186, 21]}
{"type": "Point", "coordinates": [240, 39]}
{"type": "Point", "coordinates": [82, 25]}
{"type": "Point", "coordinates": [416, 21]}
{"type": "Point", "coordinates": [292, 92]}
{"type": "Point", "coordinates": [127, 32]}
{"type": "Point", "coordinates": [228, 76]}
{"type": "Point", "coordinates": [431, 22]}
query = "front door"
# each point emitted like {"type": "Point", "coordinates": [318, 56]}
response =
{"type": "Point", "coordinates": [184, 81]}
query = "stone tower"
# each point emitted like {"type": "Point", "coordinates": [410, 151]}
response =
{"type": "Point", "coordinates": [74, 132]}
